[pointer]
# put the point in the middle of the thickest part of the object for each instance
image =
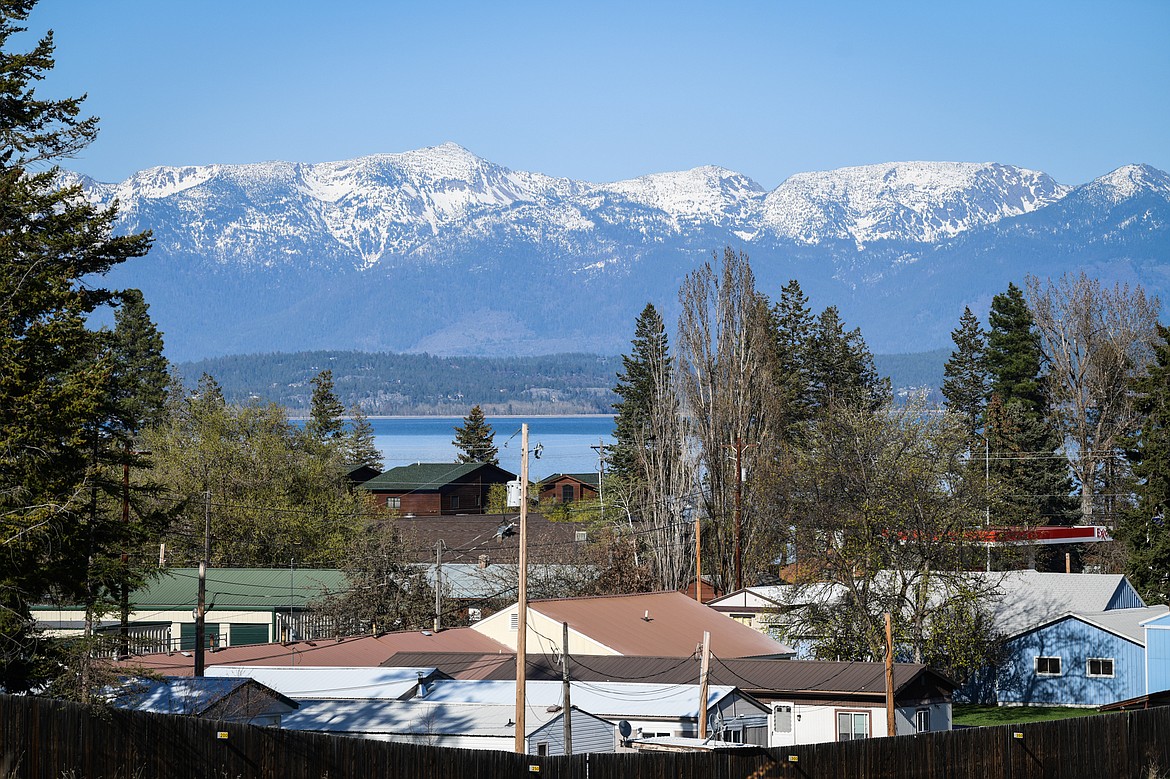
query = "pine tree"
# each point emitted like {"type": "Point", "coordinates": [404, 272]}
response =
{"type": "Point", "coordinates": [475, 439]}
{"type": "Point", "coordinates": [141, 374]}
{"type": "Point", "coordinates": [1146, 529]}
{"type": "Point", "coordinates": [1029, 478]}
{"type": "Point", "coordinates": [644, 382]}
{"type": "Point", "coordinates": [965, 385]}
{"type": "Point", "coordinates": [794, 323]}
{"type": "Point", "coordinates": [325, 414]}
{"type": "Point", "coordinates": [360, 446]}
{"type": "Point", "coordinates": [55, 375]}
{"type": "Point", "coordinates": [841, 366]}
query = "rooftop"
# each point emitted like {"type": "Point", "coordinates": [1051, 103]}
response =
{"type": "Point", "coordinates": [429, 477]}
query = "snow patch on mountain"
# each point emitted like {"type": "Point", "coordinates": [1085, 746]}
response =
{"type": "Point", "coordinates": [1125, 183]}
{"type": "Point", "coordinates": [921, 202]}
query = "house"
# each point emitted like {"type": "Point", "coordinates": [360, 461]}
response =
{"type": "Point", "coordinates": [349, 652]}
{"type": "Point", "coordinates": [805, 697]}
{"type": "Point", "coordinates": [1021, 600]}
{"type": "Point", "coordinates": [569, 487]}
{"type": "Point", "coordinates": [1083, 659]}
{"type": "Point", "coordinates": [660, 623]}
{"type": "Point", "coordinates": [433, 489]}
{"type": "Point", "coordinates": [239, 700]}
{"type": "Point", "coordinates": [454, 724]}
{"type": "Point", "coordinates": [1157, 653]}
{"type": "Point", "coordinates": [245, 606]}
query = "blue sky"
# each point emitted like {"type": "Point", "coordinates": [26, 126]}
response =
{"type": "Point", "coordinates": [605, 91]}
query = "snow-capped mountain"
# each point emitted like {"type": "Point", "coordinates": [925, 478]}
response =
{"type": "Point", "coordinates": [417, 250]}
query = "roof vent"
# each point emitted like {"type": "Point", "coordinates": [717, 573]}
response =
{"type": "Point", "coordinates": [646, 617]}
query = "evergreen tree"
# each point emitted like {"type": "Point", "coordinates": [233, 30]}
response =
{"type": "Point", "coordinates": [1029, 478]}
{"type": "Point", "coordinates": [965, 385]}
{"type": "Point", "coordinates": [794, 323]}
{"type": "Point", "coordinates": [644, 382]}
{"type": "Point", "coordinates": [55, 375]}
{"type": "Point", "coordinates": [141, 374]}
{"type": "Point", "coordinates": [1146, 530]}
{"type": "Point", "coordinates": [325, 415]}
{"type": "Point", "coordinates": [360, 447]}
{"type": "Point", "coordinates": [475, 439]}
{"type": "Point", "coordinates": [841, 366]}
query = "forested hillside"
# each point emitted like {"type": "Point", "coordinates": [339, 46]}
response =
{"type": "Point", "coordinates": [390, 384]}
{"type": "Point", "coordinates": [396, 384]}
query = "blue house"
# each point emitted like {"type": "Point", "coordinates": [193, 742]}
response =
{"type": "Point", "coordinates": [1157, 653]}
{"type": "Point", "coordinates": [1083, 659]}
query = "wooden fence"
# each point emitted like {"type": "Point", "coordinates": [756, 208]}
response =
{"type": "Point", "coordinates": [47, 739]}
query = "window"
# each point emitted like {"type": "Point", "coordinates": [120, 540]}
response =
{"type": "Point", "coordinates": [393, 503]}
{"type": "Point", "coordinates": [1048, 666]}
{"type": "Point", "coordinates": [454, 501]}
{"type": "Point", "coordinates": [852, 725]}
{"type": "Point", "coordinates": [541, 748]}
{"type": "Point", "coordinates": [566, 493]}
{"type": "Point", "coordinates": [1100, 666]}
{"type": "Point", "coordinates": [922, 721]}
{"type": "Point", "coordinates": [582, 536]}
{"type": "Point", "coordinates": [782, 719]}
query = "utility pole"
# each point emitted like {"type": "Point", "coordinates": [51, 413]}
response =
{"type": "Point", "coordinates": [891, 725]}
{"type": "Point", "coordinates": [566, 702]}
{"type": "Point", "coordinates": [438, 585]}
{"type": "Point", "coordinates": [698, 557]}
{"type": "Point", "coordinates": [703, 671]}
{"type": "Point", "coordinates": [522, 602]}
{"type": "Point", "coordinates": [201, 607]}
{"type": "Point", "coordinates": [600, 472]}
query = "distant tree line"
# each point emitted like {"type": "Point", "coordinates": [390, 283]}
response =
{"type": "Point", "coordinates": [390, 384]}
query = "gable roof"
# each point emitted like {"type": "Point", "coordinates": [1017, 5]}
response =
{"type": "Point", "coordinates": [1123, 623]}
{"type": "Point", "coordinates": [356, 651]}
{"type": "Point", "coordinates": [589, 479]}
{"type": "Point", "coordinates": [197, 695]}
{"type": "Point", "coordinates": [315, 682]}
{"type": "Point", "coordinates": [430, 477]}
{"type": "Point", "coordinates": [656, 623]}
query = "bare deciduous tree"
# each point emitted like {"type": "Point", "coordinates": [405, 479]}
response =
{"type": "Point", "coordinates": [1096, 340]}
{"type": "Point", "coordinates": [727, 358]}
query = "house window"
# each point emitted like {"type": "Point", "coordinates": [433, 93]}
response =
{"type": "Point", "coordinates": [1048, 666]}
{"type": "Point", "coordinates": [454, 501]}
{"type": "Point", "coordinates": [852, 725]}
{"type": "Point", "coordinates": [1100, 666]}
{"type": "Point", "coordinates": [782, 719]}
{"type": "Point", "coordinates": [541, 748]}
{"type": "Point", "coordinates": [922, 721]}
{"type": "Point", "coordinates": [393, 503]}
{"type": "Point", "coordinates": [566, 493]}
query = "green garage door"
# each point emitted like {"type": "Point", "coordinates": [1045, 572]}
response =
{"type": "Point", "coordinates": [244, 635]}
{"type": "Point", "coordinates": [187, 634]}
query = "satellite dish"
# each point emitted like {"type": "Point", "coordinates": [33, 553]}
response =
{"type": "Point", "coordinates": [624, 729]}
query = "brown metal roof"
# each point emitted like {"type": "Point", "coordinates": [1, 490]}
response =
{"type": "Point", "coordinates": [769, 679]}
{"type": "Point", "coordinates": [354, 652]}
{"type": "Point", "coordinates": [658, 623]}
{"type": "Point", "coordinates": [468, 536]}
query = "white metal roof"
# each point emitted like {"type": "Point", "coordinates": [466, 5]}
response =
{"type": "Point", "coordinates": [1126, 623]}
{"type": "Point", "coordinates": [415, 717]}
{"type": "Point", "coordinates": [611, 700]}
{"type": "Point", "coordinates": [309, 682]}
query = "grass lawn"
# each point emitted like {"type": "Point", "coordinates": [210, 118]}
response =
{"type": "Point", "coordinates": [970, 714]}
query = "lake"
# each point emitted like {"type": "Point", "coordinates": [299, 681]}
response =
{"type": "Point", "coordinates": [565, 442]}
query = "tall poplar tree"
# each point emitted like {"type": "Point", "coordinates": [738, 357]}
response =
{"type": "Point", "coordinates": [55, 373]}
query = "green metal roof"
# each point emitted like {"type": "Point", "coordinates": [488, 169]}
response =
{"type": "Point", "coordinates": [429, 477]}
{"type": "Point", "coordinates": [259, 589]}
